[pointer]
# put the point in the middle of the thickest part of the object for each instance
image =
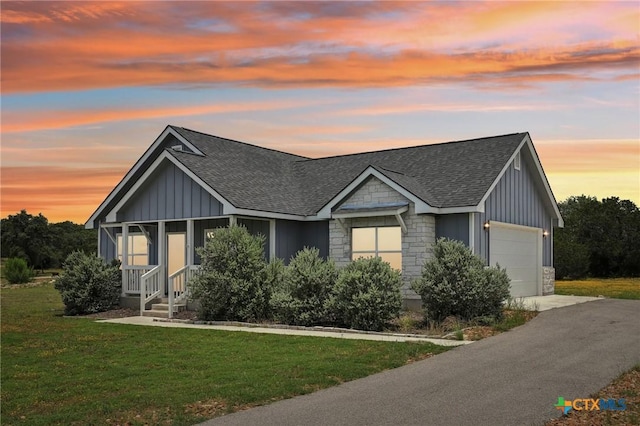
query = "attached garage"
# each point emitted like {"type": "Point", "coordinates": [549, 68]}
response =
{"type": "Point", "coordinates": [519, 250]}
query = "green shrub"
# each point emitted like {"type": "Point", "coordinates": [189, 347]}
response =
{"type": "Point", "coordinates": [231, 284]}
{"type": "Point", "coordinates": [16, 271]}
{"type": "Point", "coordinates": [366, 295]}
{"type": "Point", "coordinates": [88, 285]}
{"type": "Point", "coordinates": [301, 297]}
{"type": "Point", "coordinates": [456, 283]}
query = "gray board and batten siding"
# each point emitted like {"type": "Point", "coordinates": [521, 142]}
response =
{"type": "Point", "coordinates": [516, 199]}
{"type": "Point", "coordinates": [453, 226]}
{"type": "Point", "coordinates": [169, 194]}
{"type": "Point", "coordinates": [292, 236]}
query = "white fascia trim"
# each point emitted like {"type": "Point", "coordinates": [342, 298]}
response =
{"type": "Point", "coordinates": [525, 141]}
{"type": "Point", "coordinates": [154, 222]}
{"type": "Point", "coordinates": [502, 172]}
{"type": "Point", "coordinates": [545, 182]}
{"type": "Point", "coordinates": [112, 215]}
{"type": "Point", "coordinates": [152, 149]}
{"type": "Point", "coordinates": [421, 206]}
{"type": "Point", "coordinates": [259, 214]}
{"type": "Point", "coordinates": [464, 209]}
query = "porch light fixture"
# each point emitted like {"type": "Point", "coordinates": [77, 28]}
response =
{"type": "Point", "coordinates": [545, 233]}
{"type": "Point", "coordinates": [486, 226]}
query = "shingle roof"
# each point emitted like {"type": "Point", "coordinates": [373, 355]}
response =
{"type": "Point", "coordinates": [453, 174]}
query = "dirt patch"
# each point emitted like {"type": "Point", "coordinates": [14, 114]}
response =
{"type": "Point", "coordinates": [626, 387]}
{"type": "Point", "coordinates": [114, 313]}
{"type": "Point", "coordinates": [208, 409]}
{"type": "Point", "coordinates": [186, 315]}
{"type": "Point", "coordinates": [479, 332]}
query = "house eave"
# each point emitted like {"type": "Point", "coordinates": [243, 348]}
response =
{"type": "Point", "coordinates": [91, 222]}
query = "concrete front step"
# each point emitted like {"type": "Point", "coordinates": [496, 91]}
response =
{"type": "Point", "coordinates": [177, 307]}
{"type": "Point", "coordinates": [156, 314]}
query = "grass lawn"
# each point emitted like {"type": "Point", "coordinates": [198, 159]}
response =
{"type": "Point", "coordinates": [618, 288]}
{"type": "Point", "coordinates": [58, 370]}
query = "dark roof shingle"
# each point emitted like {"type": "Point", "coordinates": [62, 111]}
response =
{"type": "Point", "coordinates": [452, 174]}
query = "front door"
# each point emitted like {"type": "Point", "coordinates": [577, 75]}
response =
{"type": "Point", "coordinates": [176, 252]}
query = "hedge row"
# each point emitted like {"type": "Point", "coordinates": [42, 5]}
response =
{"type": "Point", "coordinates": [235, 283]}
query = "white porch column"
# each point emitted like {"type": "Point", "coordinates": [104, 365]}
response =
{"type": "Point", "coordinates": [232, 220]}
{"type": "Point", "coordinates": [190, 243]}
{"type": "Point", "coordinates": [162, 254]}
{"type": "Point", "coordinates": [272, 239]}
{"type": "Point", "coordinates": [125, 257]}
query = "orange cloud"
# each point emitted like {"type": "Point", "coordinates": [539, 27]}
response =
{"type": "Point", "coordinates": [600, 168]}
{"type": "Point", "coordinates": [578, 156]}
{"type": "Point", "coordinates": [339, 44]}
{"type": "Point", "coordinates": [19, 121]}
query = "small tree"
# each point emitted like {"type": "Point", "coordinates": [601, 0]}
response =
{"type": "Point", "coordinates": [456, 283]}
{"type": "Point", "coordinates": [231, 284]}
{"type": "Point", "coordinates": [366, 295]}
{"type": "Point", "coordinates": [301, 297]}
{"type": "Point", "coordinates": [88, 285]}
{"type": "Point", "coordinates": [16, 271]}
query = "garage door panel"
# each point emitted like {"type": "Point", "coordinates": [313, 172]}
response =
{"type": "Point", "coordinates": [518, 250]}
{"type": "Point", "coordinates": [512, 261]}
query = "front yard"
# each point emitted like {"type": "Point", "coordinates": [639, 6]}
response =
{"type": "Point", "coordinates": [617, 288]}
{"type": "Point", "coordinates": [58, 370]}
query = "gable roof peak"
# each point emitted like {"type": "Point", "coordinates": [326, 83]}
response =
{"type": "Point", "coordinates": [183, 131]}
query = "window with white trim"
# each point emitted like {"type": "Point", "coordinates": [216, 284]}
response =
{"type": "Point", "coordinates": [137, 249]}
{"type": "Point", "coordinates": [379, 241]}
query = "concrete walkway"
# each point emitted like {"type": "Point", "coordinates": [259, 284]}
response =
{"type": "Point", "coordinates": [539, 303]}
{"type": "Point", "coordinates": [513, 378]}
{"type": "Point", "coordinates": [544, 303]}
{"type": "Point", "coordinates": [383, 337]}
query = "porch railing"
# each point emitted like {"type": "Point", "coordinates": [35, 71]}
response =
{"type": "Point", "coordinates": [133, 276]}
{"type": "Point", "coordinates": [178, 290]}
{"type": "Point", "coordinates": [150, 287]}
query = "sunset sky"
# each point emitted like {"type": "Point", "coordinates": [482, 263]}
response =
{"type": "Point", "coordinates": [87, 87]}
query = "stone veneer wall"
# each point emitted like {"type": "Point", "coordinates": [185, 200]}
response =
{"type": "Point", "coordinates": [548, 280]}
{"type": "Point", "coordinates": [416, 243]}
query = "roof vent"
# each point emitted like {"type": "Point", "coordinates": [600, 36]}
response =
{"type": "Point", "coordinates": [177, 147]}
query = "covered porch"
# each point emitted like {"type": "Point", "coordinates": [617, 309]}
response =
{"type": "Point", "coordinates": [158, 259]}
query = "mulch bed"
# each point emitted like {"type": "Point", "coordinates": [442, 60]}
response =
{"type": "Point", "coordinates": [114, 313]}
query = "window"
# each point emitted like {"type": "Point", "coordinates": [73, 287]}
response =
{"type": "Point", "coordinates": [137, 249]}
{"type": "Point", "coordinates": [516, 161]}
{"type": "Point", "coordinates": [384, 242]}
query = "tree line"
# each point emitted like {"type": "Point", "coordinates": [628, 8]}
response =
{"type": "Point", "coordinates": [599, 238]}
{"type": "Point", "coordinates": [42, 244]}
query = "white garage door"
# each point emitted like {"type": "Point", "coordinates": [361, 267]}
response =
{"type": "Point", "coordinates": [519, 250]}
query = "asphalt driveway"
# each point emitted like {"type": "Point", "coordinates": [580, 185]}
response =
{"type": "Point", "coordinates": [514, 378]}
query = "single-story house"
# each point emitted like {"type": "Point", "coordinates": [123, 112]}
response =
{"type": "Point", "coordinates": [490, 193]}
